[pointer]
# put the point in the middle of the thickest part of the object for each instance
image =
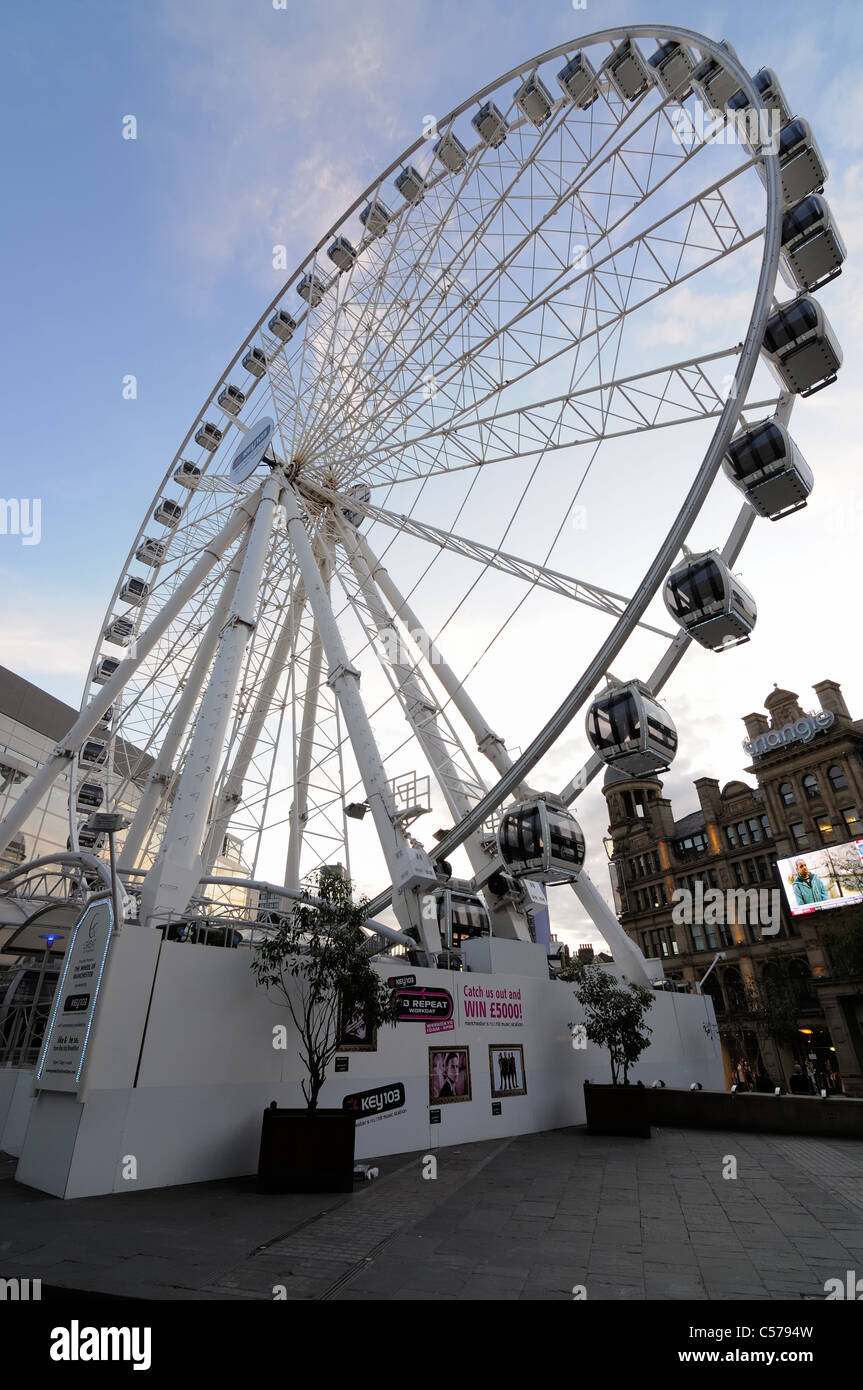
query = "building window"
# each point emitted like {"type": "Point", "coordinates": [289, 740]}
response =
{"type": "Point", "coordinates": [658, 943]}
{"type": "Point", "coordinates": [751, 871]}
{"type": "Point", "coordinates": [810, 786]}
{"type": "Point", "coordinates": [675, 949]}
{"type": "Point", "coordinates": [754, 830]}
{"type": "Point", "coordinates": [697, 937]}
{"type": "Point", "coordinates": [738, 873]}
{"type": "Point", "coordinates": [742, 833]}
{"type": "Point", "coordinates": [765, 826]}
{"type": "Point", "coordinates": [798, 830]}
{"type": "Point", "coordinates": [688, 846]}
{"type": "Point", "coordinates": [837, 778]}
{"type": "Point", "coordinates": [730, 837]}
{"type": "Point", "coordinates": [826, 830]}
{"type": "Point", "coordinates": [786, 791]}
{"type": "Point", "coordinates": [852, 821]}
{"type": "Point", "coordinates": [764, 870]}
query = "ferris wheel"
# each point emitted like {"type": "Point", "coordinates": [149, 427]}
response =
{"type": "Point", "coordinates": [464, 448]}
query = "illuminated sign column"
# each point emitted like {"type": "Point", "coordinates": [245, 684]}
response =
{"type": "Point", "coordinates": [64, 1051]}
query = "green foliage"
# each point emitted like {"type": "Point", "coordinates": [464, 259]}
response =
{"type": "Point", "coordinates": [318, 959]}
{"type": "Point", "coordinates": [613, 1015]}
{"type": "Point", "coordinates": [779, 1002]}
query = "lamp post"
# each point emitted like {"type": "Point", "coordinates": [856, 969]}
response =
{"type": "Point", "coordinates": [109, 823]}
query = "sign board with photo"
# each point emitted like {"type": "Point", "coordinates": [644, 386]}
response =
{"type": "Point", "coordinates": [355, 1033]}
{"type": "Point", "coordinates": [449, 1075]}
{"type": "Point", "coordinates": [506, 1067]}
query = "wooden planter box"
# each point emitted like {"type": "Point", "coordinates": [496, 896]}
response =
{"type": "Point", "coordinates": [617, 1110]}
{"type": "Point", "coordinates": [306, 1151]}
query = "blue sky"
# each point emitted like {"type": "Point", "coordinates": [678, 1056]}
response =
{"type": "Point", "coordinates": [257, 126]}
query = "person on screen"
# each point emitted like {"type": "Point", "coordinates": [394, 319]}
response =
{"type": "Point", "coordinates": [808, 887]}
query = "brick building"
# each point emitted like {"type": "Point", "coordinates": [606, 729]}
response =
{"type": "Point", "coordinates": [808, 795]}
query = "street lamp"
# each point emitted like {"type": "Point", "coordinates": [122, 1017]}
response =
{"type": "Point", "coordinates": [109, 823]}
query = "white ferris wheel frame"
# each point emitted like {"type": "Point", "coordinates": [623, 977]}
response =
{"type": "Point", "coordinates": [190, 843]}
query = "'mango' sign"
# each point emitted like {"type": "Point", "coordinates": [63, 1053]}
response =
{"type": "Point", "coordinates": [798, 731]}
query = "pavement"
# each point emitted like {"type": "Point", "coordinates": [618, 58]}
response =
{"type": "Point", "coordinates": [687, 1214]}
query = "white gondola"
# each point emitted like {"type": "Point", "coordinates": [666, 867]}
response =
{"type": "Point", "coordinates": [104, 669]}
{"type": "Point", "coordinates": [91, 840]}
{"type": "Point", "coordinates": [460, 916]}
{"type": "Point", "coordinates": [363, 495]}
{"type": "Point", "coordinates": [168, 512]}
{"type": "Point", "coordinates": [312, 289]}
{"type": "Point", "coordinates": [672, 65]}
{"type": "Point", "coordinates": [342, 254]}
{"type": "Point", "coordinates": [801, 165]}
{"type": "Point", "coordinates": [709, 602]}
{"type": "Point", "coordinates": [411, 184]}
{"type": "Point", "coordinates": [375, 217]}
{"type": "Point", "coordinates": [630, 730]}
{"type": "Point", "coordinates": [451, 152]}
{"type": "Point", "coordinates": [801, 346]}
{"type": "Point", "coordinates": [768, 468]}
{"type": "Point", "coordinates": [534, 99]}
{"type": "Point", "coordinates": [255, 361]}
{"type": "Point", "coordinates": [104, 725]}
{"type": "Point", "coordinates": [713, 83]}
{"type": "Point", "coordinates": [282, 326]}
{"type": "Point", "coordinates": [490, 125]}
{"type": "Point", "coordinates": [134, 590]}
{"type": "Point", "coordinates": [119, 630]}
{"type": "Point", "coordinates": [768, 87]}
{"type": "Point", "coordinates": [151, 552]}
{"type": "Point", "coordinates": [187, 474]}
{"type": "Point", "coordinates": [209, 436]}
{"type": "Point", "coordinates": [627, 71]}
{"type": "Point", "coordinates": [231, 399]}
{"type": "Point", "coordinates": [812, 249]}
{"type": "Point", "coordinates": [93, 753]}
{"type": "Point", "coordinates": [578, 80]}
{"type": "Point", "coordinates": [539, 838]}
{"type": "Point", "coordinates": [90, 796]}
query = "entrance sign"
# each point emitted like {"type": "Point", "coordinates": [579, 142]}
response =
{"type": "Point", "coordinates": [250, 453]}
{"type": "Point", "coordinates": [73, 1011]}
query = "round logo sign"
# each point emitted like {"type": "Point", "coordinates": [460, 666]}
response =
{"type": "Point", "coordinates": [252, 450]}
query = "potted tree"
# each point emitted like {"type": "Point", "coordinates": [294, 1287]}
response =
{"type": "Point", "coordinates": [317, 959]}
{"type": "Point", "coordinates": [614, 1019]}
